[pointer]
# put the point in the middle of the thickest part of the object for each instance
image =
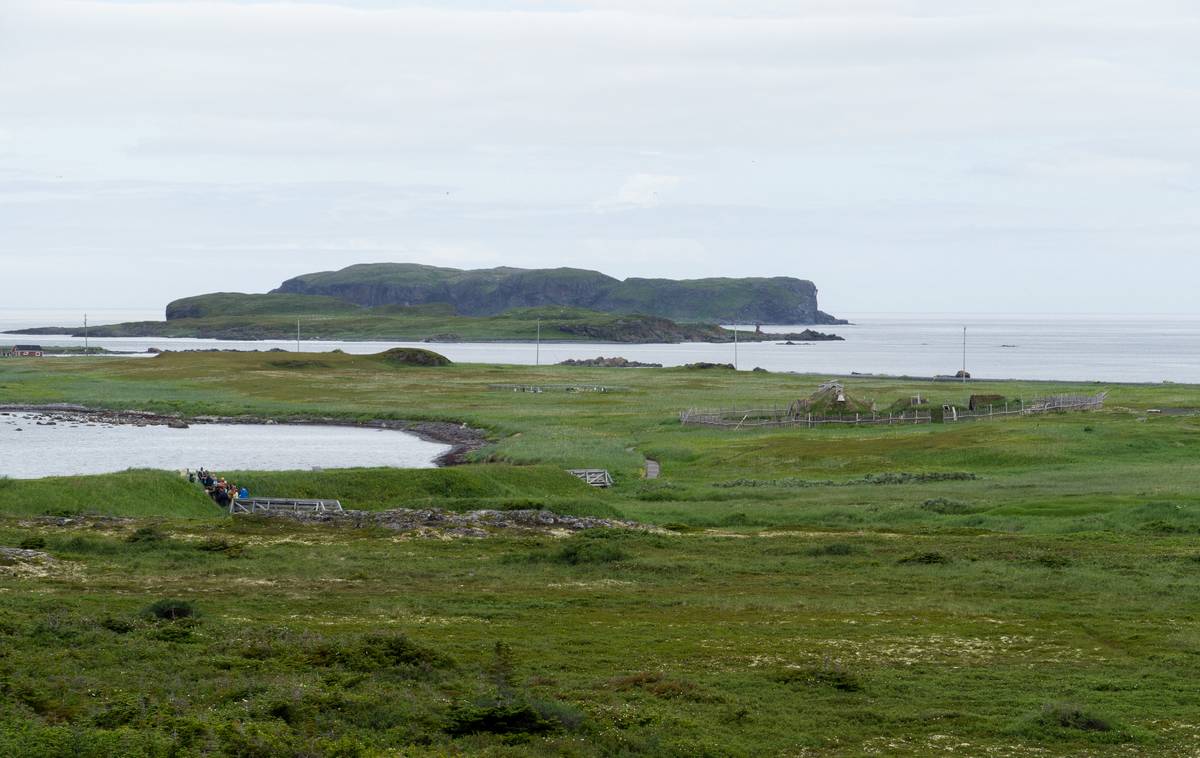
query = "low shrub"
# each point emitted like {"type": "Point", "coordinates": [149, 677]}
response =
{"type": "Point", "coordinates": [379, 652]}
{"type": "Point", "coordinates": [35, 542]}
{"type": "Point", "coordinates": [735, 519]}
{"type": "Point", "coordinates": [680, 528]}
{"type": "Point", "coordinates": [658, 684]}
{"type": "Point", "coordinates": [832, 549]}
{"type": "Point", "coordinates": [576, 553]}
{"type": "Point", "coordinates": [145, 535]}
{"type": "Point", "coordinates": [947, 507]}
{"type": "Point", "coordinates": [1051, 561]}
{"type": "Point", "coordinates": [1071, 716]}
{"type": "Point", "coordinates": [116, 625]}
{"type": "Point", "coordinates": [518, 717]}
{"type": "Point", "coordinates": [170, 610]}
{"type": "Point", "coordinates": [829, 674]}
{"type": "Point", "coordinates": [222, 545]}
{"type": "Point", "coordinates": [930, 558]}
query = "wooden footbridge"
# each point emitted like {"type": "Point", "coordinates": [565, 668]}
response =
{"type": "Point", "coordinates": [597, 477]}
{"type": "Point", "coordinates": [283, 505]}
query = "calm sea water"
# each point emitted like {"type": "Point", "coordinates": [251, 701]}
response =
{"type": "Point", "coordinates": [29, 450]}
{"type": "Point", "coordinates": [1068, 347]}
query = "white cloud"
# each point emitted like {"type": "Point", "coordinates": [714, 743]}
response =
{"type": "Point", "coordinates": [642, 191]}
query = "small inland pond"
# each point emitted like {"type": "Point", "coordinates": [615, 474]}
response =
{"type": "Point", "coordinates": [50, 444]}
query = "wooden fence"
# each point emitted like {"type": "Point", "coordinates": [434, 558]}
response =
{"type": "Point", "coordinates": [757, 418]}
{"type": "Point", "coordinates": [769, 417]}
{"type": "Point", "coordinates": [539, 388]}
{"type": "Point", "coordinates": [1041, 405]}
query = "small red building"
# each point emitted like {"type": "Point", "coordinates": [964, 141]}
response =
{"type": "Point", "coordinates": [27, 351]}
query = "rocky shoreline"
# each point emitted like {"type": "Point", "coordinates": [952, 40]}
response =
{"type": "Point", "coordinates": [462, 438]}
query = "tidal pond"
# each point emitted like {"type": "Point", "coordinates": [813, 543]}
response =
{"type": "Point", "coordinates": [35, 445]}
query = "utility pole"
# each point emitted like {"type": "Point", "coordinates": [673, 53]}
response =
{"type": "Point", "coordinates": [297, 334]}
{"type": "Point", "coordinates": [735, 348]}
{"type": "Point", "coordinates": [86, 350]}
{"type": "Point", "coordinates": [964, 368]}
{"type": "Point", "coordinates": [537, 359]}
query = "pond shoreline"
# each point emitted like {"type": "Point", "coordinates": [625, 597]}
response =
{"type": "Point", "coordinates": [462, 438]}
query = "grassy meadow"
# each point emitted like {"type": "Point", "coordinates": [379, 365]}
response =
{"type": "Point", "coordinates": [1010, 587]}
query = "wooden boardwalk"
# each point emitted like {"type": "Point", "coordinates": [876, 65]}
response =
{"type": "Point", "coordinates": [653, 469]}
{"type": "Point", "coordinates": [597, 477]}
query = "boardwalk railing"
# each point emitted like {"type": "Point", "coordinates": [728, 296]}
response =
{"type": "Point", "coordinates": [768, 417]}
{"type": "Point", "coordinates": [283, 505]}
{"type": "Point", "coordinates": [597, 477]}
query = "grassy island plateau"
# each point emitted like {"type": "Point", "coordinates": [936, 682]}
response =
{"type": "Point", "coordinates": [410, 302]}
{"type": "Point", "coordinates": [1006, 587]}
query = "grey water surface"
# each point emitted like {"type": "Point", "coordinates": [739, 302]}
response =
{"type": "Point", "coordinates": [29, 450]}
{"type": "Point", "coordinates": [1105, 348]}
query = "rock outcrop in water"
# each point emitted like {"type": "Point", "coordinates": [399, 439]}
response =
{"type": "Point", "coordinates": [602, 362]}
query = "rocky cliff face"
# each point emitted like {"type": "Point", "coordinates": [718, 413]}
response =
{"type": "Point", "coordinates": [486, 292]}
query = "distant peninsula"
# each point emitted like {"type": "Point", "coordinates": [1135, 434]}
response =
{"type": "Point", "coordinates": [413, 303]}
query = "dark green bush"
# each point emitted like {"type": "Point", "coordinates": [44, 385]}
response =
{"type": "Point", "coordinates": [833, 548]}
{"type": "Point", "coordinates": [170, 610]}
{"type": "Point", "coordinates": [378, 652]}
{"type": "Point", "coordinates": [947, 507]}
{"type": "Point", "coordinates": [146, 535]}
{"type": "Point", "coordinates": [35, 542]}
{"type": "Point", "coordinates": [223, 546]}
{"type": "Point", "coordinates": [575, 553]}
{"type": "Point", "coordinates": [1071, 716]}
{"type": "Point", "coordinates": [1049, 560]}
{"type": "Point", "coordinates": [931, 558]}
{"type": "Point", "coordinates": [829, 674]}
{"type": "Point", "coordinates": [506, 718]}
{"type": "Point", "coordinates": [116, 625]}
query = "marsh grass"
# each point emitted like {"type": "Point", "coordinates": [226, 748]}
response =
{"type": "Point", "coordinates": [326, 641]}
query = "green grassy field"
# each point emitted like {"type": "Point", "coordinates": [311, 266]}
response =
{"type": "Point", "coordinates": [1016, 587]}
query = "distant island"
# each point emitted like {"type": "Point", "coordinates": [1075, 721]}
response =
{"type": "Point", "coordinates": [490, 292]}
{"type": "Point", "coordinates": [414, 303]}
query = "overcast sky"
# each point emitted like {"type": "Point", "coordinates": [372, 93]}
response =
{"type": "Point", "coordinates": [906, 155]}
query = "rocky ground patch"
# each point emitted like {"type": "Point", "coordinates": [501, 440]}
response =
{"type": "Point", "coordinates": [435, 522]}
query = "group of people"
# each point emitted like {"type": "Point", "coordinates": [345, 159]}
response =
{"type": "Point", "coordinates": [218, 489]}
